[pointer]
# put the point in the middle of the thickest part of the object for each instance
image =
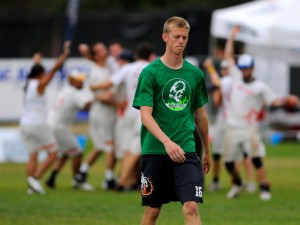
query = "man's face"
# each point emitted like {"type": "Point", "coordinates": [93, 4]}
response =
{"type": "Point", "coordinates": [247, 74]}
{"type": "Point", "coordinates": [100, 52]}
{"type": "Point", "coordinates": [176, 40]}
{"type": "Point", "coordinates": [115, 50]}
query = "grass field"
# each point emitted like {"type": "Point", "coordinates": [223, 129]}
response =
{"type": "Point", "coordinates": [65, 206]}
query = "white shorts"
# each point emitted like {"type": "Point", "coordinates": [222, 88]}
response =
{"type": "Point", "coordinates": [121, 136]}
{"type": "Point", "coordinates": [218, 133]}
{"type": "Point", "coordinates": [129, 135]}
{"type": "Point", "coordinates": [102, 132]}
{"type": "Point", "coordinates": [238, 141]}
{"type": "Point", "coordinates": [67, 142]}
{"type": "Point", "coordinates": [38, 137]}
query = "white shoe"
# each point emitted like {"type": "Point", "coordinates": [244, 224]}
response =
{"type": "Point", "coordinates": [30, 191]}
{"type": "Point", "coordinates": [215, 186]}
{"type": "Point", "coordinates": [265, 195]}
{"type": "Point", "coordinates": [35, 185]}
{"type": "Point", "coordinates": [234, 191]}
{"type": "Point", "coordinates": [250, 187]}
{"type": "Point", "coordinates": [83, 186]}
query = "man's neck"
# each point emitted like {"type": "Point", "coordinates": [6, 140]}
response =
{"type": "Point", "coordinates": [172, 62]}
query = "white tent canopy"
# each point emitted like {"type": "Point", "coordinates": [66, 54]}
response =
{"type": "Point", "coordinates": [270, 30]}
{"type": "Point", "coordinates": [273, 23]}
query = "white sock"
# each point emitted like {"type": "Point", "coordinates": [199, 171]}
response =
{"type": "Point", "coordinates": [84, 167]}
{"type": "Point", "coordinates": [109, 174]}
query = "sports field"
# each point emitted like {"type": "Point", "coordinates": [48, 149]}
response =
{"type": "Point", "coordinates": [65, 206]}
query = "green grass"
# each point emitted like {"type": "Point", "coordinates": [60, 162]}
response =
{"type": "Point", "coordinates": [65, 206]}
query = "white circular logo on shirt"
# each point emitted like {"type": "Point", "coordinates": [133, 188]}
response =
{"type": "Point", "coordinates": [176, 94]}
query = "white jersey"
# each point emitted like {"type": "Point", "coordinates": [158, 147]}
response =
{"type": "Point", "coordinates": [247, 100]}
{"type": "Point", "coordinates": [129, 74]}
{"type": "Point", "coordinates": [226, 88]}
{"type": "Point", "coordinates": [99, 75]}
{"type": "Point", "coordinates": [35, 105]}
{"type": "Point", "coordinates": [63, 111]}
{"type": "Point", "coordinates": [112, 64]}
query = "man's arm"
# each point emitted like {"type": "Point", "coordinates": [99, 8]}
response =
{"type": "Point", "coordinates": [174, 151]}
{"type": "Point", "coordinates": [214, 76]}
{"type": "Point", "coordinates": [45, 80]}
{"type": "Point", "coordinates": [201, 121]}
{"type": "Point", "coordinates": [229, 47]}
{"type": "Point", "coordinates": [289, 101]}
{"type": "Point", "coordinates": [215, 79]}
{"type": "Point", "coordinates": [104, 85]}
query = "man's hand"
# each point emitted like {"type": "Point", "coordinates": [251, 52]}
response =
{"type": "Point", "coordinates": [67, 45]}
{"type": "Point", "coordinates": [37, 58]}
{"type": "Point", "coordinates": [236, 29]}
{"type": "Point", "coordinates": [208, 63]}
{"type": "Point", "coordinates": [206, 162]}
{"type": "Point", "coordinates": [174, 151]}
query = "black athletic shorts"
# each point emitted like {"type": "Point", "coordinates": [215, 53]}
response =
{"type": "Point", "coordinates": [163, 180]}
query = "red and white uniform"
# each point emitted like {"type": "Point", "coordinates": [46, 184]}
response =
{"type": "Point", "coordinates": [102, 116]}
{"type": "Point", "coordinates": [246, 102]}
{"type": "Point", "coordinates": [218, 130]}
{"type": "Point", "coordinates": [131, 122]}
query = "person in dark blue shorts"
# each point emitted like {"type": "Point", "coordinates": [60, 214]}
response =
{"type": "Point", "coordinates": [171, 95]}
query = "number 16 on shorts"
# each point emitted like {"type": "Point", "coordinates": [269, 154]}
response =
{"type": "Point", "coordinates": [198, 191]}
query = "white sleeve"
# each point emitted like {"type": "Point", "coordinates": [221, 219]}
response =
{"type": "Point", "coordinates": [83, 97]}
{"type": "Point", "coordinates": [118, 77]}
{"type": "Point", "coordinates": [268, 95]}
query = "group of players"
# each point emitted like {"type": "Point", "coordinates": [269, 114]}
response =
{"type": "Point", "coordinates": [114, 124]}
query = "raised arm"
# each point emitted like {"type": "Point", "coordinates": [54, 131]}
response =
{"type": "Point", "coordinates": [214, 76]}
{"type": "Point", "coordinates": [174, 151]}
{"type": "Point", "coordinates": [201, 121]}
{"type": "Point", "coordinates": [229, 47]}
{"type": "Point", "coordinates": [45, 80]}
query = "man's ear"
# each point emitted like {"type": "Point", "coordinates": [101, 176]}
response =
{"type": "Point", "coordinates": [165, 37]}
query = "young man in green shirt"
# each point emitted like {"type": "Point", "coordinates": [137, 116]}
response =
{"type": "Point", "coordinates": [171, 95]}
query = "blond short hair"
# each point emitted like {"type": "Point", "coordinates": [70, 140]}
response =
{"type": "Point", "coordinates": [175, 22]}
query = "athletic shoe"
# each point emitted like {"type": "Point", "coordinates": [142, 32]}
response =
{"type": "Point", "coordinates": [80, 177]}
{"type": "Point", "coordinates": [265, 196]}
{"type": "Point", "coordinates": [30, 191]}
{"type": "Point", "coordinates": [215, 186]}
{"type": "Point", "coordinates": [35, 185]}
{"type": "Point", "coordinates": [109, 184]}
{"type": "Point", "coordinates": [82, 186]}
{"type": "Point", "coordinates": [234, 191]}
{"type": "Point", "coordinates": [50, 183]}
{"type": "Point", "coordinates": [250, 187]}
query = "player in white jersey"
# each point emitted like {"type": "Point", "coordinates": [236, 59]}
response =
{"type": "Point", "coordinates": [221, 99]}
{"type": "Point", "coordinates": [247, 98]}
{"type": "Point", "coordinates": [102, 118]}
{"type": "Point", "coordinates": [36, 133]}
{"type": "Point", "coordinates": [62, 115]}
{"type": "Point", "coordinates": [115, 48]}
{"type": "Point", "coordinates": [128, 75]}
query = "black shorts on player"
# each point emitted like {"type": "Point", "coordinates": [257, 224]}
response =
{"type": "Point", "coordinates": [164, 181]}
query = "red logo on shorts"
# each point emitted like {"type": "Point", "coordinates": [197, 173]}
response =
{"type": "Point", "coordinates": [146, 186]}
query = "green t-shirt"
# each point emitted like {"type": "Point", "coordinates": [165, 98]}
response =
{"type": "Point", "coordinates": [173, 95]}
